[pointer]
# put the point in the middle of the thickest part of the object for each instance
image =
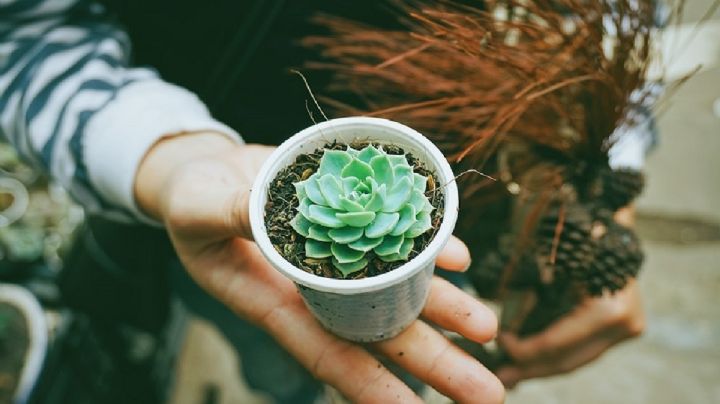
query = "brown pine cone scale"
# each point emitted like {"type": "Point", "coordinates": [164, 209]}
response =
{"type": "Point", "coordinates": [618, 259]}
{"type": "Point", "coordinates": [575, 248]}
{"type": "Point", "coordinates": [621, 187]}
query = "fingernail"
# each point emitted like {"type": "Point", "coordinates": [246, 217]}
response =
{"type": "Point", "coordinates": [469, 264]}
{"type": "Point", "coordinates": [459, 253]}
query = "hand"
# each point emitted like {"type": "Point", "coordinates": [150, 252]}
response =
{"type": "Point", "coordinates": [578, 338]}
{"type": "Point", "coordinates": [198, 185]}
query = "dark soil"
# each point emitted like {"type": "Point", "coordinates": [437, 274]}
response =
{"type": "Point", "coordinates": [14, 343]}
{"type": "Point", "coordinates": [282, 206]}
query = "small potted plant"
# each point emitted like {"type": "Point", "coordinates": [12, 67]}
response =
{"type": "Point", "coordinates": [354, 211]}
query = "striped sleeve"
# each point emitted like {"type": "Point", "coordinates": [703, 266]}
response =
{"type": "Point", "coordinates": [72, 106]}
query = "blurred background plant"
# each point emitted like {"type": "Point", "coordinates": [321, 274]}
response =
{"type": "Point", "coordinates": [37, 218]}
{"type": "Point", "coordinates": [83, 318]}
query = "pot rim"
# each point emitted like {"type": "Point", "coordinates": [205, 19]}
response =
{"type": "Point", "coordinates": [276, 162]}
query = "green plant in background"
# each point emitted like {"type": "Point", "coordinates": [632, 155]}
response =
{"type": "Point", "coordinates": [360, 201]}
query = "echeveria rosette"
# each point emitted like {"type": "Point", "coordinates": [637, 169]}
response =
{"type": "Point", "coordinates": [360, 201]}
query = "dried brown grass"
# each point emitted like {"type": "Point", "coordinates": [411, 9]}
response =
{"type": "Point", "coordinates": [547, 72]}
{"type": "Point", "coordinates": [554, 76]}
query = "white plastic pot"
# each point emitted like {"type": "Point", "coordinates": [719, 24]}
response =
{"type": "Point", "coordinates": [378, 307]}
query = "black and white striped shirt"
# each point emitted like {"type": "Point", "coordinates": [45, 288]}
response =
{"type": "Point", "coordinates": [71, 104]}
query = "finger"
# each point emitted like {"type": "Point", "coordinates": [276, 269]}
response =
{"type": "Point", "coordinates": [564, 333]}
{"type": "Point", "coordinates": [275, 306]}
{"type": "Point", "coordinates": [569, 361]}
{"type": "Point", "coordinates": [454, 310]}
{"type": "Point", "coordinates": [432, 358]}
{"type": "Point", "coordinates": [236, 209]}
{"type": "Point", "coordinates": [347, 367]}
{"type": "Point", "coordinates": [455, 256]}
{"type": "Point", "coordinates": [248, 162]}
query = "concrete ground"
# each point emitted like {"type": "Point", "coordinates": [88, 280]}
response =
{"type": "Point", "coordinates": [677, 360]}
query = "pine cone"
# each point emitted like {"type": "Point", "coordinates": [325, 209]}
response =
{"type": "Point", "coordinates": [489, 271]}
{"type": "Point", "coordinates": [620, 187]}
{"type": "Point", "coordinates": [604, 215]}
{"type": "Point", "coordinates": [575, 247]}
{"type": "Point", "coordinates": [618, 258]}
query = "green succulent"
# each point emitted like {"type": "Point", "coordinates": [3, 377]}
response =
{"type": "Point", "coordinates": [360, 201]}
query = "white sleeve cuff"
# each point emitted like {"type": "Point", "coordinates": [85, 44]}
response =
{"type": "Point", "coordinates": [118, 137]}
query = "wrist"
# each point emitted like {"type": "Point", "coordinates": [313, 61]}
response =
{"type": "Point", "coordinates": [165, 158]}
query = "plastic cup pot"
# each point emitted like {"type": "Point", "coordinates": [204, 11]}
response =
{"type": "Point", "coordinates": [373, 308]}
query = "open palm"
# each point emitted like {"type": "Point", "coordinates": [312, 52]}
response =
{"type": "Point", "coordinates": [204, 207]}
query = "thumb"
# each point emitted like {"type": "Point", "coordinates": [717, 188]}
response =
{"type": "Point", "coordinates": [455, 256]}
{"type": "Point", "coordinates": [209, 200]}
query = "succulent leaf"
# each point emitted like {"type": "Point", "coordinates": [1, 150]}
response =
{"type": "Point", "coordinates": [406, 248]}
{"type": "Point", "coordinates": [383, 170]}
{"type": "Point", "coordinates": [402, 171]}
{"type": "Point", "coordinates": [428, 206]}
{"type": "Point", "coordinates": [333, 161]}
{"type": "Point", "coordinates": [358, 169]}
{"type": "Point", "coordinates": [319, 233]}
{"type": "Point", "coordinates": [420, 226]}
{"type": "Point", "coordinates": [382, 225]}
{"type": "Point", "coordinates": [360, 201]}
{"type": "Point", "coordinates": [390, 245]}
{"type": "Point", "coordinates": [364, 199]}
{"type": "Point", "coordinates": [363, 187]}
{"type": "Point", "coordinates": [356, 219]}
{"type": "Point", "coordinates": [367, 154]}
{"type": "Point", "coordinates": [346, 235]}
{"type": "Point", "coordinates": [300, 190]}
{"type": "Point", "coordinates": [317, 249]}
{"type": "Point", "coordinates": [365, 244]}
{"type": "Point", "coordinates": [351, 267]}
{"type": "Point", "coordinates": [403, 254]}
{"type": "Point", "coordinates": [348, 205]}
{"type": "Point", "coordinates": [407, 219]}
{"type": "Point", "coordinates": [398, 196]}
{"type": "Point", "coordinates": [344, 254]}
{"type": "Point", "coordinates": [331, 190]}
{"type": "Point", "coordinates": [417, 200]}
{"type": "Point", "coordinates": [324, 216]}
{"type": "Point", "coordinates": [377, 200]}
{"type": "Point", "coordinates": [349, 184]}
{"type": "Point", "coordinates": [397, 159]}
{"type": "Point", "coordinates": [312, 188]}
{"type": "Point", "coordinates": [304, 207]}
{"type": "Point", "coordinates": [301, 225]}
{"type": "Point", "coordinates": [419, 182]}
